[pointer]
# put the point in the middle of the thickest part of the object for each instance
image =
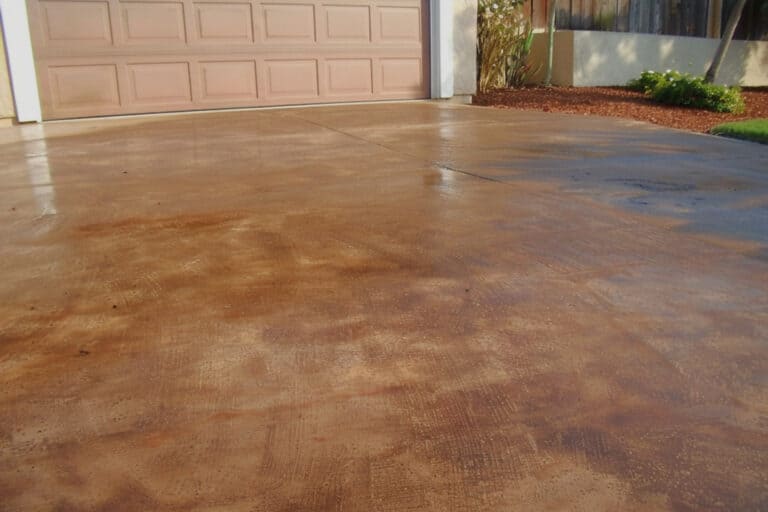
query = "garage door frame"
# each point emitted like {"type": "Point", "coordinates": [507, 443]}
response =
{"type": "Point", "coordinates": [25, 86]}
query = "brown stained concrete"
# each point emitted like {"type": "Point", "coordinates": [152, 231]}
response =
{"type": "Point", "coordinates": [381, 308]}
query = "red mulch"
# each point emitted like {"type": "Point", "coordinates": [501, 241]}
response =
{"type": "Point", "coordinates": [620, 102]}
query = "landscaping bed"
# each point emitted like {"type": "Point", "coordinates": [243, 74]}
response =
{"type": "Point", "coordinates": [621, 102]}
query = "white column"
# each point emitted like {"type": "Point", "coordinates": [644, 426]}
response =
{"type": "Point", "coordinates": [441, 44]}
{"type": "Point", "coordinates": [21, 61]}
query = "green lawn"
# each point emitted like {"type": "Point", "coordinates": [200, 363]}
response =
{"type": "Point", "coordinates": [754, 129]}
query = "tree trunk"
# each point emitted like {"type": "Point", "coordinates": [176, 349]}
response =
{"type": "Point", "coordinates": [551, 42]}
{"type": "Point", "coordinates": [725, 41]}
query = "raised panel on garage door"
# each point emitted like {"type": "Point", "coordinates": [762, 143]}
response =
{"type": "Point", "coordinates": [400, 24]}
{"type": "Point", "coordinates": [289, 23]}
{"type": "Point", "coordinates": [292, 78]}
{"type": "Point", "coordinates": [153, 22]}
{"type": "Point", "coordinates": [84, 87]}
{"type": "Point", "coordinates": [110, 57]}
{"type": "Point", "coordinates": [349, 76]}
{"type": "Point", "coordinates": [160, 82]}
{"type": "Point", "coordinates": [229, 81]}
{"type": "Point", "coordinates": [76, 23]}
{"type": "Point", "coordinates": [347, 24]}
{"type": "Point", "coordinates": [224, 22]}
{"type": "Point", "coordinates": [403, 75]}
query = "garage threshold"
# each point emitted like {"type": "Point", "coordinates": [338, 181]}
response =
{"type": "Point", "coordinates": [237, 109]}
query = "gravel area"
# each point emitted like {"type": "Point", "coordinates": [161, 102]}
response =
{"type": "Point", "coordinates": [621, 102]}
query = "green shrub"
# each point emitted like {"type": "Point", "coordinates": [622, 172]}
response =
{"type": "Point", "coordinates": [675, 88]}
{"type": "Point", "coordinates": [646, 82]}
{"type": "Point", "coordinates": [519, 68]}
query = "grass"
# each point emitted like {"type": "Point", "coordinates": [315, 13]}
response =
{"type": "Point", "coordinates": [755, 130]}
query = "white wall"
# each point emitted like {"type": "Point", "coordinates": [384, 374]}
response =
{"type": "Point", "coordinates": [590, 58]}
{"type": "Point", "coordinates": [609, 58]}
{"type": "Point", "coordinates": [464, 47]}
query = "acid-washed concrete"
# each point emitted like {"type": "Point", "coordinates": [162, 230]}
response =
{"type": "Point", "coordinates": [382, 307]}
{"type": "Point", "coordinates": [594, 58]}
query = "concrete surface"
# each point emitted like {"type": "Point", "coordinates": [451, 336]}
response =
{"type": "Point", "coordinates": [384, 307]}
{"type": "Point", "coordinates": [591, 58]}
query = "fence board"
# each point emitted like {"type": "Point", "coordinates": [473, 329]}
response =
{"type": "Point", "coordinates": [639, 16]}
{"type": "Point", "coordinates": [657, 10]}
{"type": "Point", "coordinates": [603, 15]}
{"type": "Point", "coordinates": [673, 17]}
{"type": "Point", "coordinates": [585, 14]}
{"type": "Point", "coordinates": [622, 15]}
{"type": "Point", "coordinates": [539, 13]}
{"type": "Point", "coordinates": [527, 9]}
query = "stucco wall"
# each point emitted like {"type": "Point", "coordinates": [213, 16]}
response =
{"type": "Point", "coordinates": [562, 70]}
{"type": "Point", "coordinates": [464, 46]}
{"type": "Point", "coordinates": [606, 58]}
{"type": "Point", "coordinates": [6, 96]}
{"type": "Point", "coordinates": [585, 58]}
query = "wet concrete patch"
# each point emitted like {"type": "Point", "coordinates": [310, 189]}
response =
{"type": "Point", "coordinates": [381, 307]}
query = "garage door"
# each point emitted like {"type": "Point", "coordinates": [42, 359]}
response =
{"type": "Point", "coordinates": [105, 57]}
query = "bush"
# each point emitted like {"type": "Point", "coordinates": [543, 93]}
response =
{"type": "Point", "coordinates": [518, 68]}
{"type": "Point", "coordinates": [646, 82]}
{"type": "Point", "coordinates": [674, 88]}
{"type": "Point", "coordinates": [504, 37]}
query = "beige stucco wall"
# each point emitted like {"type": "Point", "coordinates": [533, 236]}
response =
{"type": "Point", "coordinates": [464, 47]}
{"type": "Point", "coordinates": [585, 58]}
{"type": "Point", "coordinates": [562, 69]}
{"type": "Point", "coordinates": [6, 96]}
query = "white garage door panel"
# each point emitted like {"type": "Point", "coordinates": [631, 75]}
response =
{"type": "Point", "coordinates": [105, 57]}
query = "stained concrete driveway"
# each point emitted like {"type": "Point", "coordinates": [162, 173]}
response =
{"type": "Point", "coordinates": [382, 308]}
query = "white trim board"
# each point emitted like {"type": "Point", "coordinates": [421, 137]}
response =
{"type": "Point", "coordinates": [21, 61]}
{"type": "Point", "coordinates": [441, 48]}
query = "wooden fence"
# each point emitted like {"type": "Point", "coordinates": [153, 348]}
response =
{"type": "Point", "coordinates": [699, 18]}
